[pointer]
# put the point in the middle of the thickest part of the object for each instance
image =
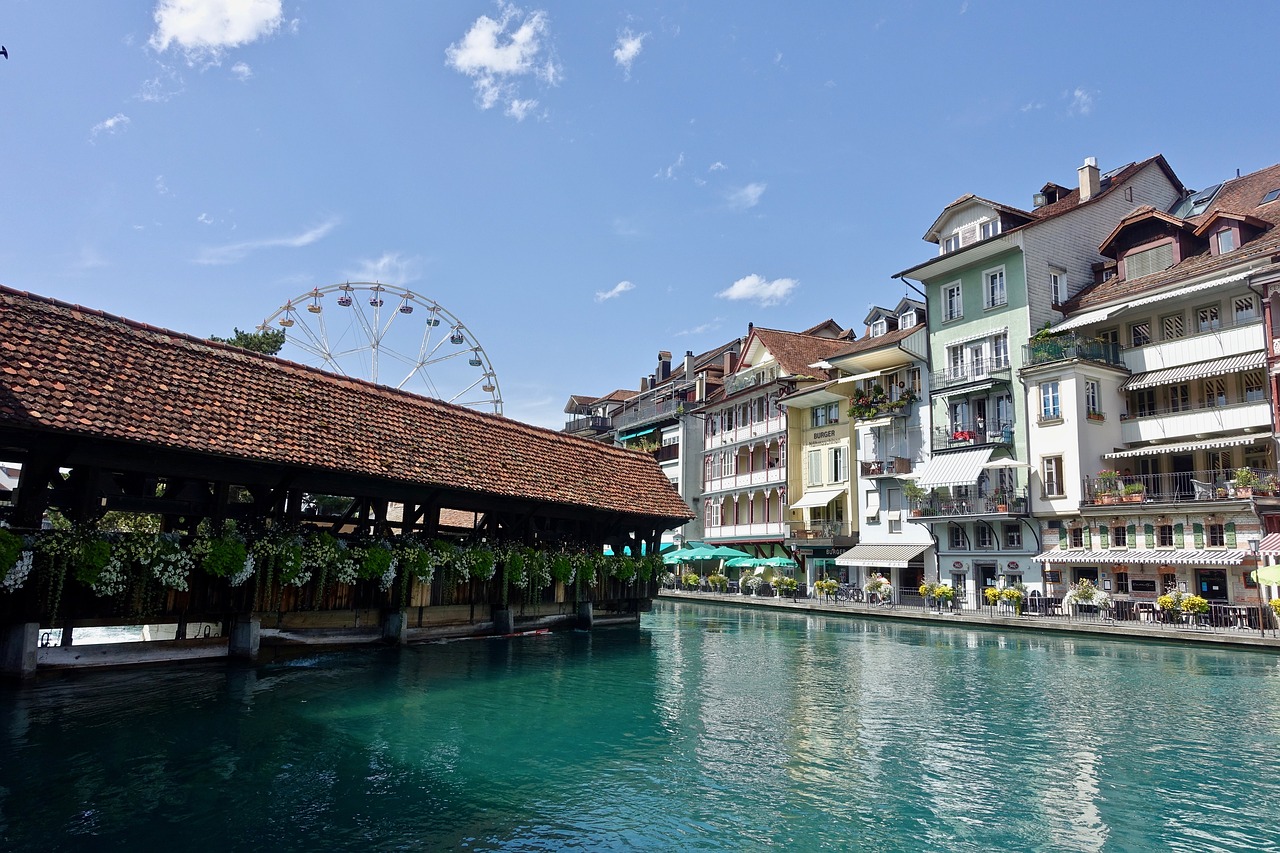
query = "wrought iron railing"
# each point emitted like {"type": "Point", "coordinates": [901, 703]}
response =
{"type": "Point", "coordinates": [1179, 487]}
{"type": "Point", "coordinates": [1067, 347]}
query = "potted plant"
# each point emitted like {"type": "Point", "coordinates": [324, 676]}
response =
{"type": "Point", "coordinates": [1107, 487]}
{"type": "Point", "coordinates": [915, 493]}
{"type": "Point", "coordinates": [786, 586]}
{"type": "Point", "coordinates": [944, 594]}
{"type": "Point", "coordinates": [1014, 596]}
{"type": "Point", "coordinates": [692, 580]}
{"type": "Point", "coordinates": [1095, 415]}
{"type": "Point", "coordinates": [1268, 486]}
{"type": "Point", "coordinates": [1001, 501]}
{"type": "Point", "coordinates": [1134, 493]}
{"type": "Point", "coordinates": [718, 582]}
{"type": "Point", "coordinates": [827, 588]}
{"type": "Point", "coordinates": [1246, 479]}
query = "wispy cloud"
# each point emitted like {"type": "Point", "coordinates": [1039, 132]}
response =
{"type": "Point", "coordinates": [205, 219]}
{"type": "Point", "coordinates": [161, 187]}
{"type": "Point", "coordinates": [623, 227]}
{"type": "Point", "coordinates": [204, 29]}
{"type": "Point", "coordinates": [618, 289]}
{"type": "Point", "coordinates": [241, 71]}
{"type": "Point", "coordinates": [669, 172]}
{"type": "Point", "coordinates": [747, 197]}
{"type": "Point", "coordinates": [390, 268]}
{"type": "Point", "coordinates": [233, 252]}
{"type": "Point", "coordinates": [717, 166]}
{"type": "Point", "coordinates": [496, 55]}
{"type": "Point", "coordinates": [626, 50]}
{"type": "Point", "coordinates": [116, 124]}
{"type": "Point", "coordinates": [710, 326]}
{"type": "Point", "coordinates": [760, 290]}
{"type": "Point", "coordinates": [1081, 102]}
{"type": "Point", "coordinates": [1030, 106]}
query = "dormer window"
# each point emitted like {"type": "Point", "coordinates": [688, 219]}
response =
{"type": "Point", "coordinates": [907, 320]}
{"type": "Point", "coordinates": [878, 328]}
{"type": "Point", "coordinates": [1148, 261]}
{"type": "Point", "coordinates": [989, 229]}
{"type": "Point", "coordinates": [1224, 241]}
{"type": "Point", "coordinates": [950, 244]}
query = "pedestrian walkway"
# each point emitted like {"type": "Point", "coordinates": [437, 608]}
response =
{"type": "Point", "coordinates": [993, 618]}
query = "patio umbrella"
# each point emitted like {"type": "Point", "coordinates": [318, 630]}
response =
{"type": "Point", "coordinates": [672, 558]}
{"type": "Point", "coordinates": [1268, 575]}
{"type": "Point", "coordinates": [722, 552]}
{"type": "Point", "coordinates": [779, 562]}
{"type": "Point", "coordinates": [742, 562]}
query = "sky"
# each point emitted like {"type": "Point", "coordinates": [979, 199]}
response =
{"type": "Point", "coordinates": [581, 184]}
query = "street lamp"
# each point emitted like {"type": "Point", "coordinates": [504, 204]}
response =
{"type": "Point", "coordinates": [1253, 543]}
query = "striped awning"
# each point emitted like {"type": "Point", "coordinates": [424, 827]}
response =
{"type": "Point", "coordinates": [954, 469]}
{"type": "Point", "coordinates": [1270, 545]}
{"type": "Point", "coordinates": [817, 497]}
{"type": "Point", "coordinates": [1199, 370]}
{"type": "Point", "coordinates": [1164, 556]}
{"type": "Point", "coordinates": [1191, 288]}
{"type": "Point", "coordinates": [1188, 446]}
{"type": "Point", "coordinates": [1095, 316]}
{"type": "Point", "coordinates": [881, 556]}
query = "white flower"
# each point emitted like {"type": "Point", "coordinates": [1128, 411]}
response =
{"type": "Point", "coordinates": [389, 577]}
{"type": "Point", "coordinates": [245, 573]}
{"type": "Point", "coordinates": [17, 575]}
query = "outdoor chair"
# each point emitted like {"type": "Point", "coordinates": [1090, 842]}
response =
{"type": "Point", "coordinates": [1203, 491]}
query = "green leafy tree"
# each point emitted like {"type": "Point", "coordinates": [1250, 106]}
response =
{"type": "Point", "coordinates": [267, 342]}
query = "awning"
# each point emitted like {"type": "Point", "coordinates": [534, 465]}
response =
{"type": "Point", "coordinates": [625, 436]}
{"type": "Point", "coordinates": [873, 502]}
{"type": "Point", "coordinates": [1270, 545]}
{"type": "Point", "coordinates": [1188, 446]}
{"type": "Point", "coordinates": [1095, 316]}
{"type": "Point", "coordinates": [817, 497]}
{"type": "Point", "coordinates": [881, 556]}
{"type": "Point", "coordinates": [1005, 463]}
{"type": "Point", "coordinates": [977, 336]}
{"type": "Point", "coordinates": [1199, 370]}
{"type": "Point", "coordinates": [1183, 291]}
{"type": "Point", "coordinates": [954, 469]}
{"type": "Point", "coordinates": [1171, 556]}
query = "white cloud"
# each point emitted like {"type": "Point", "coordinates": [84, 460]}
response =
{"type": "Point", "coordinates": [111, 126]}
{"type": "Point", "coordinates": [628, 48]}
{"type": "Point", "coordinates": [747, 197]}
{"type": "Point", "coordinates": [1031, 105]}
{"type": "Point", "coordinates": [161, 187]}
{"type": "Point", "coordinates": [162, 87]}
{"type": "Point", "coordinates": [754, 288]}
{"type": "Point", "coordinates": [390, 268]}
{"type": "Point", "coordinates": [497, 54]}
{"type": "Point", "coordinates": [205, 218]}
{"type": "Point", "coordinates": [623, 227]}
{"type": "Point", "coordinates": [702, 329]}
{"type": "Point", "coordinates": [238, 251]}
{"type": "Point", "coordinates": [1081, 102]}
{"type": "Point", "coordinates": [242, 71]}
{"type": "Point", "coordinates": [203, 29]}
{"type": "Point", "coordinates": [717, 166]}
{"type": "Point", "coordinates": [618, 289]}
{"type": "Point", "coordinates": [669, 173]}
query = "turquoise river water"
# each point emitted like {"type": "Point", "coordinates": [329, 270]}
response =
{"type": "Point", "coordinates": [705, 729]}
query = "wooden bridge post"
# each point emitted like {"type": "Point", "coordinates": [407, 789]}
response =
{"type": "Point", "coordinates": [246, 635]}
{"type": "Point", "coordinates": [18, 645]}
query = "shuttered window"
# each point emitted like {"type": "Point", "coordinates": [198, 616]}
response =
{"type": "Point", "coordinates": [1155, 259]}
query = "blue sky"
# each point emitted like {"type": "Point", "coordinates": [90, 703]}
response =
{"type": "Point", "coordinates": [582, 184]}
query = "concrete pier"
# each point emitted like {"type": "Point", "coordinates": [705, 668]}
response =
{"type": "Point", "coordinates": [586, 615]}
{"type": "Point", "coordinates": [246, 636]}
{"type": "Point", "coordinates": [18, 646]}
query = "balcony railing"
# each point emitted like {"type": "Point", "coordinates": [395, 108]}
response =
{"type": "Point", "coordinates": [973, 434]}
{"type": "Point", "coordinates": [767, 476]}
{"type": "Point", "coordinates": [1010, 503]}
{"type": "Point", "coordinates": [818, 530]}
{"type": "Point", "coordinates": [594, 423]}
{"type": "Point", "coordinates": [1162, 424]}
{"type": "Point", "coordinates": [1226, 339]}
{"type": "Point", "coordinates": [1067, 347]}
{"type": "Point", "coordinates": [978, 370]}
{"type": "Point", "coordinates": [647, 411]}
{"type": "Point", "coordinates": [1181, 487]}
{"type": "Point", "coordinates": [895, 467]}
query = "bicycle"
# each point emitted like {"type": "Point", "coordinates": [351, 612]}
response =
{"type": "Point", "coordinates": [845, 592]}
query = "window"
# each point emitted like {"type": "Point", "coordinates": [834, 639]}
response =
{"type": "Point", "coordinates": [878, 328]}
{"type": "Point", "coordinates": [1110, 337]}
{"type": "Point", "coordinates": [907, 320]}
{"type": "Point", "coordinates": [1164, 536]}
{"type": "Point", "coordinates": [1092, 397]}
{"type": "Point", "coordinates": [913, 380]}
{"type": "Point", "coordinates": [994, 293]}
{"type": "Point", "coordinates": [1050, 403]}
{"type": "Point", "coordinates": [818, 414]}
{"type": "Point", "coordinates": [1053, 476]}
{"type": "Point", "coordinates": [1215, 535]}
{"type": "Point", "coordinates": [1122, 582]}
{"type": "Point", "coordinates": [989, 229]}
{"type": "Point", "coordinates": [1144, 402]}
{"type": "Point", "coordinates": [839, 464]}
{"type": "Point", "coordinates": [1172, 327]}
{"type": "Point", "coordinates": [1012, 536]}
{"type": "Point", "coordinates": [1119, 536]}
{"type": "Point", "coordinates": [957, 538]}
{"type": "Point", "coordinates": [1207, 319]}
{"type": "Point", "coordinates": [950, 244]}
{"type": "Point", "coordinates": [1270, 197]}
{"type": "Point", "coordinates": [815, 468]}
{"type": "Point", "coordinates": [1000, 351]}
{"type": "Point", "coordinates": [1155, 259]}
{"type": "Point", "coordinates": [1254, 386]}
{"type": "Point", "coordinates": [982, 537]}
{"type": "Point", "coordinates": [1168, 582]}
{"type": "Point", "coordinates": [1139, 334]}
{"type": "Point", "coordinates": [1215, 392]}
{"type": "Point", "coordinates": [1057, 286]}
{"type": "Point", "coordinates": [1226, 240]}
{"type": "Point", "coordinates": [1076, 536]}
{"type": "Point", "coordinates": [1245, 308]}
{"type": "Point", "coordinates": [1004, 411]}
{"type": "Point", "coordinates": [1180, 398]}
{"type": "Point", "coordinates": [955, 362]}
{"type": "Point", "coordinates": [952, 302]}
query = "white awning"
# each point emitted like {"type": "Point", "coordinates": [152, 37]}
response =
{"type": "Point", "coordinates": [1270, 545]}
{"type": "Point", "coordinates": [881, 556]}
{"type": "Point", "coordinates": [873, 502]}
{"type": "Point", "coordinates": [1199, 370]}
{"type": "Point", "coordinates": [954, 469]}
{"type": "Point", "coordinates": [817, 497]}
{"type": "Point", "coordinates": [1171, 557]}
{"type": "Point", "coordinates": [1095, 316]}
{"type": "Point", "coordinates": [1188, 446]}
{"type": "Point", "coordinates": [977, 336]}
{"type": "Point", "coordinates": [1005, 463]}
{"type": "Point", "coordinates": [1183, 291]}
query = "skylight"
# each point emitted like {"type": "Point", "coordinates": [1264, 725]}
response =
{"type": "Point", "coordinates": [1197, 203]}
{"type": "Point", "coordinates": [1271, 196]}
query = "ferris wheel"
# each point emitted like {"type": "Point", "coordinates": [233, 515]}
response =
{"type": "Point", "coordinates": [390, 336]}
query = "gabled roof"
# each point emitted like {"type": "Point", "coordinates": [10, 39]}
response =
{"type": "Point", "coordinates": [1145, 213]}
{"type": "Point", "coordinates": [1243, 195]}
{"type": "Point", "coordinates": [1207, 222]}
{"type": "Point", "coordinates": [83, 373]}
{"type": "Point", "coordinates": [795, 351]}
{"type": "Point", "coordinates": [868, 344]}
{"type": "Point", "coordinates": [932, 235]}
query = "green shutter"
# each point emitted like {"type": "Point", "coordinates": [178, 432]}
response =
{"type": "Point", "coordinates": [1062, 537]}
{"type": "Point", "coordinates": [1178, 541]}
{"type": "Point", "coordinates": [1086, 538]}
{"type": "Point", "coordinates": [1149, 533]}
{"type": "Point", "coordinates": [1133, 535]}
{"type": "Point", "coordinates": [1197, 533]}
{"type": "Point", "coordinates": [1103, 542]}
{"type": "Point", "coordinates": [1230, 534]}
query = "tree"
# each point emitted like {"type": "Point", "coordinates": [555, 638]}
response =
{"type": "Point", "coordinates": [267, 342]}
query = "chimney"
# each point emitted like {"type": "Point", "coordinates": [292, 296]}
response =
{"type": "Point", "coordinates": [664, 366]}
{"type": "Point", "coordinates": [644, 384]}
{"type": "Point", "coordinates": [1090, 180]}
{"type": "Point", "coordinates": [688, 365]}
{"type": "Point", "coordinates": [730, 362]}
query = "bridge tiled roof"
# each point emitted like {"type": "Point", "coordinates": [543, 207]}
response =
{"type": "Point", "coordinates": [81, 372]}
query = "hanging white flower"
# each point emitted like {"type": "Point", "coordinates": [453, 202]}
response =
{"type": "Point", "coordinates": [245, 573]}
{"type": "Point", "coordinates": [17, 574]}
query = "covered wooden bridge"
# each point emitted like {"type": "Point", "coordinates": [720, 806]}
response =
{"type": "Point", "coordinates": [106, 415]}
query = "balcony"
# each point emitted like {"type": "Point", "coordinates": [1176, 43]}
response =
{"type": "Point", "coordinates": [746, 432]}
{"type": "Point", "coordinates": [760, 529]}
{"type": "Point", "coordinates": [1218, 343]}
{"type": "Point", "coordinates": [1009, 504]}
{"type": "Point", "coordinates": [1164, 424]}
{"type": "Point", "coordinates": [1069, 347]}
{"type": "Point", "coordinates": [647, 411]}
{"type": "Point", "coordinates": [1182, 487]}
{"type": "Point", "coordinates": [593, 424]}
{"type": "Point", "coordinates": [895, 467]}
{"type": "Point", "coordinates": [775, 475]}
{"type": "Point", "coordinates": [667, 452]}
{"type": "Point", "coordinates": [967, 434]}
{"type": "Point", "coordinates": [832, 534]}
{"type": "Point", "coordinates": [970, 373]}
